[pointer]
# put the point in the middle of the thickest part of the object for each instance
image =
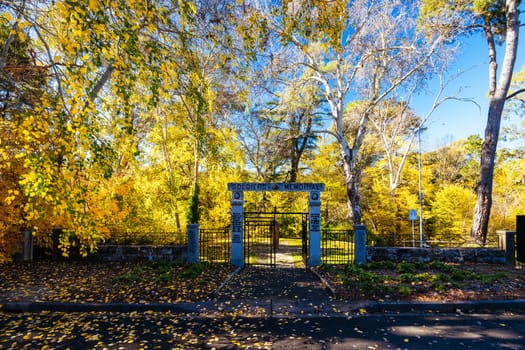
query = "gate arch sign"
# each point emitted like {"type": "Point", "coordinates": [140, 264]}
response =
{"type": "Point", "coordinates": [237, 214]}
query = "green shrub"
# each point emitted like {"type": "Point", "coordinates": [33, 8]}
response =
{"type": "Point", "coordinates": [440, 266]}
{"type": "Point", "coordinates": [380, 265]}
{"type": "Point", "coordinates": [406, 267]}
{"type": "Point", "coordinates": [407, 277]}
{"type": "Point", "coordinates": [496, 277]}
{"type": "Point", "coordinates": [404, 290]}
{"type": "Point", "coordinates": [424, 277]}
{"type": "Point", "coordinates": [462, 275]}
{"type": "Point", "coordinates": [192, 270]}
{"type": "Point", "coordinates": [164, 278]}
{"type": "Point", "coordinates": [135, 275]}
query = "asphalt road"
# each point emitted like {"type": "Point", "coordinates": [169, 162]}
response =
{"type": "Point", "coordinates": [166, 330]}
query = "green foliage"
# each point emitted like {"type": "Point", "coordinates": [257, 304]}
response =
{"type": "Point", "coordinates": [404, 290]}
{"type": "Point", "coordinates": [438, 265]}
{"type": "Point", "coordinates": [192, 216]}
{"type": "Point", "coordinates": [387, 264]}
{"type": "Point", "coordinates": [134, 275]}
{"type": "Point", "coordinates": [498, 277]}
{"type": "Point", "coordinates": [405, 279]}
{"type": "Point", "coordinates": [163, 271]}
{"type": "Point", "coordinates": [452, 211]}
{"type": "Point", "coordinates": [406, 267]}
{"type": "Point", "coordinates": [368, 281]}
{"type": "Point", "coordinates": [193, 270]}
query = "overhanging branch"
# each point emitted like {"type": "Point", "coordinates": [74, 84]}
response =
{"type": "Point", "coordinates": [514, 94]}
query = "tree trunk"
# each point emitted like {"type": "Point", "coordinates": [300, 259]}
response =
{"type": "Point", "coordinates": [352, 192]}
{"type": "Point", "coordinates": [354, 199]}
{"type": "Point", "coordinates": [298, 147]}
{"type": "Point", "coordinates": [294, 165]}
{"type": "Point", "coordinates": [498, 94]}
{"type": "Point", "coordinates": [484, 188]}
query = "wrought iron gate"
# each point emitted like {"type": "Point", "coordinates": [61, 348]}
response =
{"type": "Point", "coordinates": [261, 237]}
{"type": "Point", "coordinates": [259, 241]}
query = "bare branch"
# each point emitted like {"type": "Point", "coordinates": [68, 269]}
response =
{"type": "Point", "coordinates": [101, 82]}
{"type": "Point", "coordinates": [515, 93]}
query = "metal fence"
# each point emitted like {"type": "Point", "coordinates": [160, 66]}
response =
{"type": "Point", "coordinates": [409, 240]}
{"type": "Point", "coordinates": [337, 246]}
{"type": "Point", "coordinates": [147, 238]}
{"type": "Point", "coordinates": [214, 245]}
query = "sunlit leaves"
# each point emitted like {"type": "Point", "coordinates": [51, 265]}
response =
{"type": "Point", "coordinates": [452, 213]}
{"type": "Point", "coordinates": [111, 62]}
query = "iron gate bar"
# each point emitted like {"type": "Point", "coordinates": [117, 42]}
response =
{"type": "Point", "coordinates": [304, 238]}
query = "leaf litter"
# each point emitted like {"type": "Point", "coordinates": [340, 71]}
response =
{"type": "Point", "coordinates": [110, 282]}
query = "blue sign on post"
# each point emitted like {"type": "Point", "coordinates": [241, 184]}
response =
{"type": "Point", "coordinates": [412, 214]}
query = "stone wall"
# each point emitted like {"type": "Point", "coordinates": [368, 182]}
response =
{"type": "Point", "coordinates": [455, 255]}
{"type": "Point", "coordinates": [139, 252]}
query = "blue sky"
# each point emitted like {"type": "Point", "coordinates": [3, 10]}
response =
{"type": "Point", "coordinates": [455, 119]}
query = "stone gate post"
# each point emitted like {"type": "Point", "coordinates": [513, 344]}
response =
{"type": "Point", "coordinates": [314, 211]}
{"type": "Point", "coordinates": [237, 214]}
{"type": "Point", "coordinates": [359, 244]}
{"type": "Point", "coordinates": [506, 241]}
{"type": "Point", "coordinates": [193, 243]}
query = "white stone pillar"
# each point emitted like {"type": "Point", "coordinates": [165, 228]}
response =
{"type": "Point", "coordinates": [359, 244]}
{"type": "Point", "coordinates": [193, 242]}
{"type": "Point", "coordinates": [506, 241]}
{"type": "Point", "coordinates": [314, 211]}
{"type": "Point", "coordinates": [237, 221]}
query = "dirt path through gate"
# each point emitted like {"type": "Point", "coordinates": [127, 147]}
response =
{"type": "Point", "coordinates": [289, 281]}
{"type": "Point", "coordinates": [282, 282]}
{"type": "Point", "coordinates": [287, 254]}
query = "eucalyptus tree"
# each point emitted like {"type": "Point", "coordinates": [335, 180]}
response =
{"type": "Point", "coordinates": [355, 50]}
{"type": "Point", "coordinates": [276, 129]}
{"type": "Point", "coordinates": [301, 141]}
{"type": "Point", "coordinates": [499, 22]}
{"type": "Point", "coordinates": [294, 118]}
{"type": "Point", "coordinates": [396, 127]}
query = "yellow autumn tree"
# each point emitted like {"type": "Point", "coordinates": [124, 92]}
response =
{"type": "Point", "coordinates": [105, 62]}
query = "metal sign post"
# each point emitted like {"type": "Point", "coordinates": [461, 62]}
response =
{"type": "Point", "coordinates": [412, 215]}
